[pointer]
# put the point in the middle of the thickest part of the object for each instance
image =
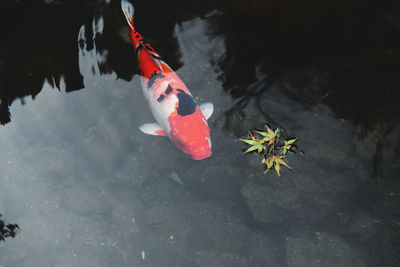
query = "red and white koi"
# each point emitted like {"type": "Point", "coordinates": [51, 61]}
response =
{"type": "Point", "coordinates": [173, 106]}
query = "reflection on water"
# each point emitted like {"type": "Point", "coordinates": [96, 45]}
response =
{"type": "Point", "coordinates": [88, 189]}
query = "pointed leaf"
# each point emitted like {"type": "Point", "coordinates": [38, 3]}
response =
{"type": "Point", "coordinates": [284, 149]}
{"type": "Point", "coordinates": [250, 142]}
{"type": "Point", "coordinates": [280, 160]}
{"type": "Point", "coordinates": [260, 149]}
{"type": "Point", "coordinates": [267, 135]}
{"type": "Point", "coordinates": [277, 168]}
{"type": "Point", "coordinates": [262, 141]}
{"type": "Point", "coordinates": [270, 162]}
{"type": "Point", "coordinates": [252, 148]}
{"type": "Point", "coordinates": [291, 141]}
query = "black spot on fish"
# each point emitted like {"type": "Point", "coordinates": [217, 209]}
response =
{"type": "Point", "coordinates": [137, 36]}
{"type": "Point", "coordinates": [187, 105]}
{"type": "Point", "coordinates": [153, 78]}
{"type": "Point", "coordinates": [169, 90]}
{"type": "Point", "coordinates": [160, 98]}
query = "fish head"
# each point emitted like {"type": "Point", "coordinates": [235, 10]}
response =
{"type": "Point", "coordinates": [191, 134]}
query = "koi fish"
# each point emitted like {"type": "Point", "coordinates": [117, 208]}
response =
{"type": "Point", "coordinates": [173, 106]}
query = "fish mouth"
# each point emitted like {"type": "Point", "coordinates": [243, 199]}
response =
{"type": "Point", "coordinates": [202, 156]}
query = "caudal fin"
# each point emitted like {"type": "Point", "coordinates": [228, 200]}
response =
{"type": "Point", "coordinates": [128, 10]}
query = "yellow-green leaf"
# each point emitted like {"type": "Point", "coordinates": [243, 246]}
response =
{"type": "Point", "coordinates": [270, 162]}
{"type": "Point", "coordinates": [291, 141]}
{"type": "Point", "coordinates": [252, 148]}
{"type": "Point", "coordinates": [277, 168]}
{"type": "Point", "coordinates": [263, 133]}
{"type": "Point", "coordinates": [270, 131]}
{"type": "Point", "coordinates": [280, 160]}
{"type": "Point", "coordinates": [267, 136]}
{"type": "Point", "coordinates": [250, 142]}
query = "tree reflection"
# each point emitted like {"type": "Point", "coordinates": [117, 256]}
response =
{"type": "Point", "coordinates": [39, 43]}
{"type": "Point", "coordinates": [352, 51]}
{"type": "Point", "coordinates": [7, 230]}
{"type": "Point", "coordinates": [345, 55]}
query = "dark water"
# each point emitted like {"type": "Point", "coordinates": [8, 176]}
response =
{"type": "Point", "coordinates": [87, 188]}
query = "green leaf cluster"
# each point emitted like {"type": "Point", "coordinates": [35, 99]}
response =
{"type": "Point", "coordinates": [270, 143]}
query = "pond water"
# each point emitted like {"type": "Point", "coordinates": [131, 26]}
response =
{"type": "Point", "coordinates": [87, 188]}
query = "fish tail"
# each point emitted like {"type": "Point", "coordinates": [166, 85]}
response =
{"type": "Point", "coordinates": [128, 10]}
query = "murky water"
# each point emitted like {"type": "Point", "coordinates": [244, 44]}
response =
{"type": "Point", "coordinates": [87, 188]}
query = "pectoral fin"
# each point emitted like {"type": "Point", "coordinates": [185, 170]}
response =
{"type": "Point", "coordinates": [153, 129]}
{"type": "Point", "coordinates": [207, 109]}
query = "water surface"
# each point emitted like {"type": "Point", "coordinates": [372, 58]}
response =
{"type": "Point", "coordinates": [87, 188]}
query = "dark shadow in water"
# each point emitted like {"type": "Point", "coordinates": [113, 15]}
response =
{"type": "Point", "coordinates": [352, 50]}
{"type": "Point", "coordinates": [38, 43]}
{"type": "Point", "coordinates": [346, 55]}
{"type": "Point", "coordinates": [7, 230]}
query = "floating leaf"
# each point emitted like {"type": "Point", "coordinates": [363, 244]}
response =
{"type": "Point", "coordinates": [252, 148]}
{"type": "Point", "coordinates": [270, 131]}
{"type": "Point", "coordinates": [291, 141]}
{"type": "Point", "coordinates": [281, 161]}
{"type": "Point", "coordinates": [270, 143]}
{"type": "Point", "coordinates": [250, 142]}
{"type": "Point", "coordinates": [277, 168]}
{"type": "Point", "coordinates": [267, 135]}
{"type": "Point", "coordinates": [270, 162]}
